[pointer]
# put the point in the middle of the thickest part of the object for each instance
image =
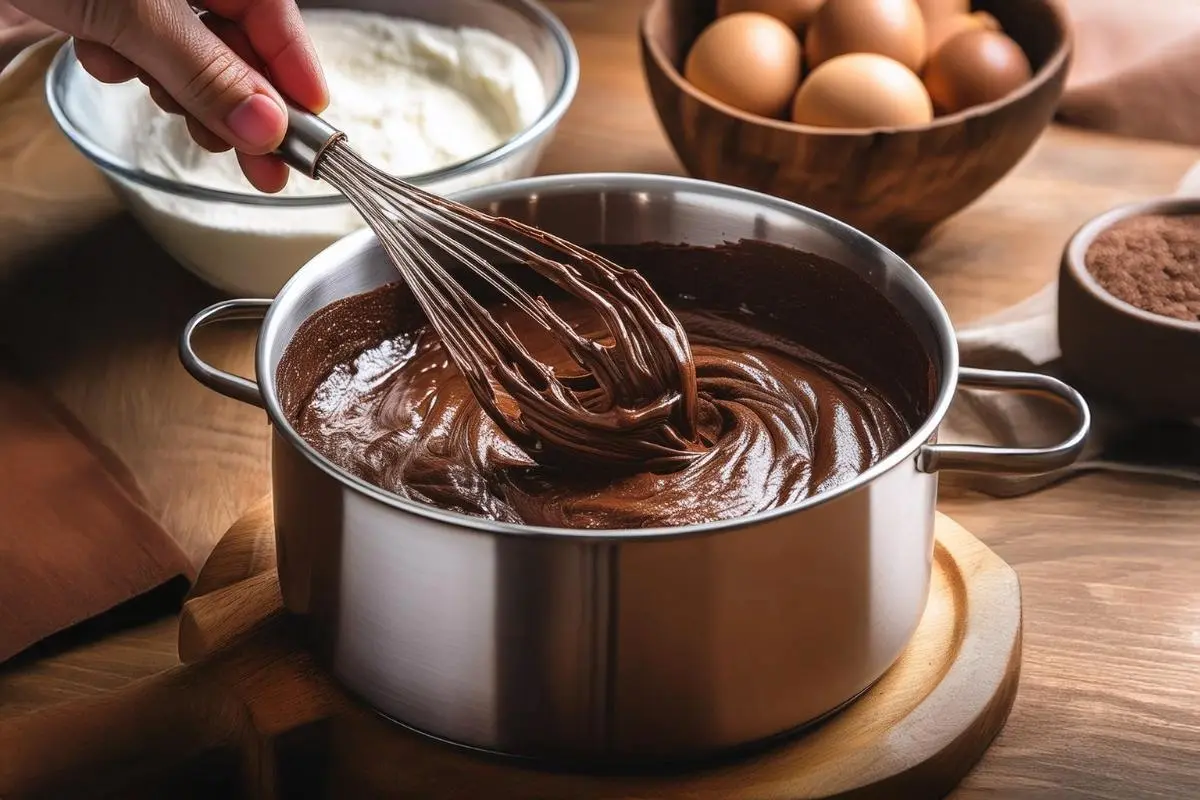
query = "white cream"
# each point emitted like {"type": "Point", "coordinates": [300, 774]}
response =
{"type": "Point", "coordinates": [411, 97]}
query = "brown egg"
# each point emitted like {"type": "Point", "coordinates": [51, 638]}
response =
{"type": "Point", "coordinates": [936, 10]}
{"type": "Point", "coordinates": [973, 68]}
{"type": "Point", "coordinates": [892, 28]}
{"type": "Point", "coordinates": [793, 13]}
{"type": "Point", "coordinates": [862, 90]}
{"type": "Point", "coordinates": [749, 60]}
{"type": "Point", "coordinates": [942, 31]}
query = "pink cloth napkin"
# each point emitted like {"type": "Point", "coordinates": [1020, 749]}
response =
{"type": "Point", "coordinates": [1136, 70]}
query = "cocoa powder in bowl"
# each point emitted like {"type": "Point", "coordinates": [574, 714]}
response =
{"type": "Point", "coordinates": [1151, 262]}
{"type": "Point", "coordinates": [1127, 334]}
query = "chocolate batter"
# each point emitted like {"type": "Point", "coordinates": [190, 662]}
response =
{"type": "Point", "coordinates": [776, 421]}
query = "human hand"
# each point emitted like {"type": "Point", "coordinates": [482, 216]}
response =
{"type": "Point", "coordinates": [17, 31]}
{"type": "Point", "coordinates": [216, 69]}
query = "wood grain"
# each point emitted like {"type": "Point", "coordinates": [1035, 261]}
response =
{"type": "Point", "coordinates": [1109, 705]}
{"type": "Point", "coordinates": [895, 185]}
{"type": "Point", "coordinates": [118, 743]}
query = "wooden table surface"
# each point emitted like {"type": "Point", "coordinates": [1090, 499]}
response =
{"type": "Point", "coordinates": [1109, 705]}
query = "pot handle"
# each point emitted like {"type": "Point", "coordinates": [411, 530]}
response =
{"type": "Point", "coordinates": [221, 382]}
{"type": "Point", "coordinates": [1015, 460]}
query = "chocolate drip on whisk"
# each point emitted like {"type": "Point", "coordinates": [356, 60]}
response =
{"type": "Point", "coordinates": [633, 402]}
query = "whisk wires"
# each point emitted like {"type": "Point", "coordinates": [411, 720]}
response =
{"type": "Point", "coordinates": [634, 401]}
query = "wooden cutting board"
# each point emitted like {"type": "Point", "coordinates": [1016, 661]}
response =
{"type": "Point", "coordinates": [248, 713]}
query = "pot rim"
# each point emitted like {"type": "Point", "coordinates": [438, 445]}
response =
{"type": "Point", "coordinates": [359, 241]}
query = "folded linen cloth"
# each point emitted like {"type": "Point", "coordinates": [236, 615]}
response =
{"type": "Point", "coordinates": [1136, 69]}
{"type": "Point", "coordinates": [76, 539]}
{"type": "Point", "coordinates": [1025, 337]}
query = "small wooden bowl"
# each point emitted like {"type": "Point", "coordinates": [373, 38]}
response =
{"type": "Point", "coordinates": [895, 185]}
{"type": "Point", "coordinates": [1144, 363]}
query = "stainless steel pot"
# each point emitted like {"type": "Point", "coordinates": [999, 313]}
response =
{"type": "Point", "coordinates": [657, 644]}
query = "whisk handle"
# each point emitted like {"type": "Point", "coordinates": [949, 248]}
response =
{"type": "Point", "coordinates": [307, 138]}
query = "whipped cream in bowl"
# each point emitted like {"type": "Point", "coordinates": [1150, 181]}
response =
{"type": "Point", "coordinates": [448, 95]}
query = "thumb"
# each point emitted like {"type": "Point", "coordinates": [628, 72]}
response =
{"type": "Point", "coordinates": [205, 76]}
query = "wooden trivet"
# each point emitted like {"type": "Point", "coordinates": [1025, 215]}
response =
{"type": "Point", "coordinates": [251, 714]}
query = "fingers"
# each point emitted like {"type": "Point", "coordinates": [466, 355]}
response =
{"type": "Point", "coordinates": [206, 138]}
{"type": "Point", "coordinates": [235, 39]}
{"type": "Point", "coordinates": [103, 63]}
{"type": "Point", "coordinates": [276, 32]}
{"type": "Point", "coordinates": [202, 135]}
{"type": "Point", "coordinates": [108, 66]}
{"type": "Point", "coordinates": [167, 40]}
{"type": "Point", "coordinates": [159, 95]}
{"type": "Point", "coordinates": [17, 31]}
{"type": "Point", "coordinates": [267, 173]}
{"type": "Point", "coordinates": [221, 89]}
{"type": "Point", "coordinates": [205, 76]}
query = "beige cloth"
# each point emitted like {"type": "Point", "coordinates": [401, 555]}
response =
{"type": "Point", "coordinates": [1136, 69]}
{"type": "Point", "coordinates": [1025, 337]}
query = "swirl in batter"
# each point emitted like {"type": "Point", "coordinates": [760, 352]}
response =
{"type": "Point", "coordinates": [778, 423]}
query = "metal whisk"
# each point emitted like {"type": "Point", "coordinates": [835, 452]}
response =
{"type": "Point", "coordinates": [634, 400]}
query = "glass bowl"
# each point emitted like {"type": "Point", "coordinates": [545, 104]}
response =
{"type": "Point", "coordinates": [249, 244]}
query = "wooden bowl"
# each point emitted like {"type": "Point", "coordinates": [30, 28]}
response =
{"type": "Point", "coordinates": [896, 184]}
{"type": "Point", "coordinates": [1143, 363]}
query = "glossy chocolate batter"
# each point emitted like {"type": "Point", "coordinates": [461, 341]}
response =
{"type": "Point", "coordinates": [776, 421]}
